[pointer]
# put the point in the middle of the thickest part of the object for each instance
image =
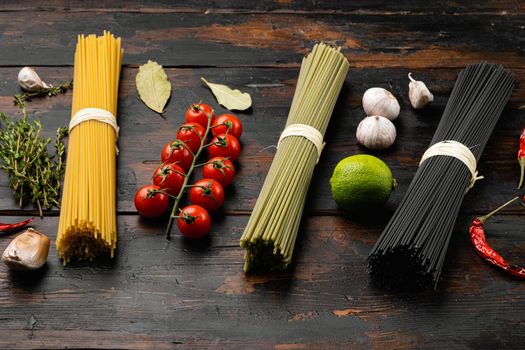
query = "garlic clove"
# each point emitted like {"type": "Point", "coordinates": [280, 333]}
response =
{"type": "Point", "coordinates": [379, 101]}
{"type": "Point", "coordinates": [27, 251]}
{"type": "Point", "coordinates": [30, 81]}
{"type": "Point", "coordinates": [376, 132]}
{"type": "Point", "coordinates": [418, 93]}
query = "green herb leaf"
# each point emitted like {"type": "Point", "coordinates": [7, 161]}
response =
{"type": "Point", "coordinates": [229, 98]}
{"type": "Point", "coordinates": [153, 86]}
{"type": "Point", "coordinates": [34, 174]}
{"type": "Point", "coordinates": [20, 99]}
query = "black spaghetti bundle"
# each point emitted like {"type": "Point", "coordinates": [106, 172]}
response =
{"type": "Point", "coordinates": [412, 248]}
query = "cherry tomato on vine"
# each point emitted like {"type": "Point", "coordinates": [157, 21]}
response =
{"type": "Point", "coordinates": [198, 113]}
{"type": "Point", "coordinates": [225, 146]}
{"type": "Point", "coordinates": [191, 134]}
{"type": "Point", "coordinates": [169, 177]}
{"type": "Point", "coordinates": [194, 222]}
{"type": "Point", "coordinates": [176, 152]}
{"type": "Point", "coordinates": [219, 169]}
{"type": "Point", "coordinates": [227, 122]}
{"type": "Point", "coordinates": [207, 193]}
{"type": "Point", "coordinates": [150, 203]}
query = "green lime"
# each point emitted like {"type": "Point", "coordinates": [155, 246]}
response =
{"type": "Point", "coordinates": [361, 183]}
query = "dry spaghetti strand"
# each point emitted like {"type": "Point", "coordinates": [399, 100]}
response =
{"type": "Point", "coordinates": [269, 237]}
{"type": "Point", "coordinates": [411, 250]}
{"type": "Point", "coordinates": [87, 225]}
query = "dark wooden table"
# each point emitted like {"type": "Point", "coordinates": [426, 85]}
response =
{"type": "Point", "coordinates": [172, 294]}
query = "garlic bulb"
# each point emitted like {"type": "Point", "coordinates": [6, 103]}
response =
{"type": "Point", "coordinates": [376, 132]}
{"type": "Point", "coordinates": [418, 93]}
{"type": "Point", "coordinates": [27, 251]}
{"type": "Point", "coordinates": [30, 81]}
{"type": "Point", "coordinates": [378, 101]}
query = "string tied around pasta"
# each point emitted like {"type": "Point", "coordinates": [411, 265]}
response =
{"type": "Point", "coordinates": [97, 114]}
{"type": "Point", "coordinates": [308, 132]}
{"type": "Point", "coordinates": [457, 150]}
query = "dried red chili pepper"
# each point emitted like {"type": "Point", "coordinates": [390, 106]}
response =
{"type": "Point", "coordinates": [477, 237]}
{"type": "Point", "coordinates": [15, 226]}
{"type": "Point", "coordinates": [521, 157]}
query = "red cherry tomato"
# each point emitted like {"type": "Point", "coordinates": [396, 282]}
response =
{"type": "Point", "coordinates": [191, 134]}
{"type": "Point", "coordinates": [225, 146]}
{"type": "Point", "coordinates": [194, 222]}
{"type": "Point", "coordinates": [149, 203]}
{"type": "Point", "coordinates": [198, 113]}
{"type": "Point", "coordinates": [219, 169]}
{"type": "Point", "coordinates": [207, 193]}
{"type": "Point", "coordinates": [169, 177]}
{"type": "Point", "coordinates": [227, 122]}
{"type": "Point", "coordinates": [176, 152]}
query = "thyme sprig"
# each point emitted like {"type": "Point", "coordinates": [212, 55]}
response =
{"type": "Point", "coordinates": [34, 173]}
{"type": "Point", "coordinates": [19, 99]}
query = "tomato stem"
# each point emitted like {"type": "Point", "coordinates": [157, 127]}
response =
{"type": "Point", "coordinates": [164, 193]}
{"type": "Point", "coordinates": [180, 143]}
{"type": "Point", "coordinates": [191, 186]}
{"type": "Point", "coordinates": [185, 185]}
{"type": "Point", "coordinates": [201, 164]}
{"type": "Point", "coordinates": [190, 127]}
{"type": "Point", "coordinates": [228, 125]}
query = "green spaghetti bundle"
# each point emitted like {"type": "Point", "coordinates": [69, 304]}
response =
{"type": "Point", "coordinates": [270, 234]}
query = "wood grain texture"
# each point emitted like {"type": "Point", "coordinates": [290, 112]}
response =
{"type": "Point", "coordinates": [160, 294]}
{"type": "Point", "coordinates": [267, 39]}
{"type": "Point", "coordinates": [406, 7]}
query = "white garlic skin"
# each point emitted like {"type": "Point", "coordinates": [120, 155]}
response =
{"type": "Point", "coordinates": [418, 93]}
{"type": "Point", "coordinates": [379, 101]}
{"type": "Point", "coordinates": [376, 132]}
{"type": "Point", "coordinates": [30, 81]}
{"type": "Point", "coordinates": [27, 251]}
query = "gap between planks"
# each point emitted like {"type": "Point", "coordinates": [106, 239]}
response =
{"type": "Point", "coordinates": [232, 11]}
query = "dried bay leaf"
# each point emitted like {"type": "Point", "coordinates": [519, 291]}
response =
{"type": "Point", "coordinates": [153, 86]}
{"type": "Point", "coordinates": [229, 98]}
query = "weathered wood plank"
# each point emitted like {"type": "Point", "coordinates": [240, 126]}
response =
{"type": "Point", "coordinates": [180, 294]}
{"type": "Point", "coordinates": [506, 7]}
{"type": "Point", "coordinates": [143, 133]}
{"type": "Point", "coordinates": [159, 294]}
{"type": "Point", "coordinates": [216, 39]}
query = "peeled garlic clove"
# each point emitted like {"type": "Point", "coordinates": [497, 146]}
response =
{"type": "Point", "coordinates": [418, 93]}
{"type": "Point", "coordinates": [27, 251]}
{"type": "Point", "coordinates": [379, 101]}
{"type": "Point", "coordinates": [30, 81]}
{"type": "Point", "coordinates": [376, 132]}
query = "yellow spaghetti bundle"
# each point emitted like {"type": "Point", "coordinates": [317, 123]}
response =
{"type": "Point", "coordinates": [87, 224]}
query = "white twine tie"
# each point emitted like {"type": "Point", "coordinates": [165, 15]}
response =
{"type": "Point", "coordinates": [97, 114]}
{"type": "Point", "coordinates": [457, 150]}
{"type": "Point", "coordinates": [308, 132]}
